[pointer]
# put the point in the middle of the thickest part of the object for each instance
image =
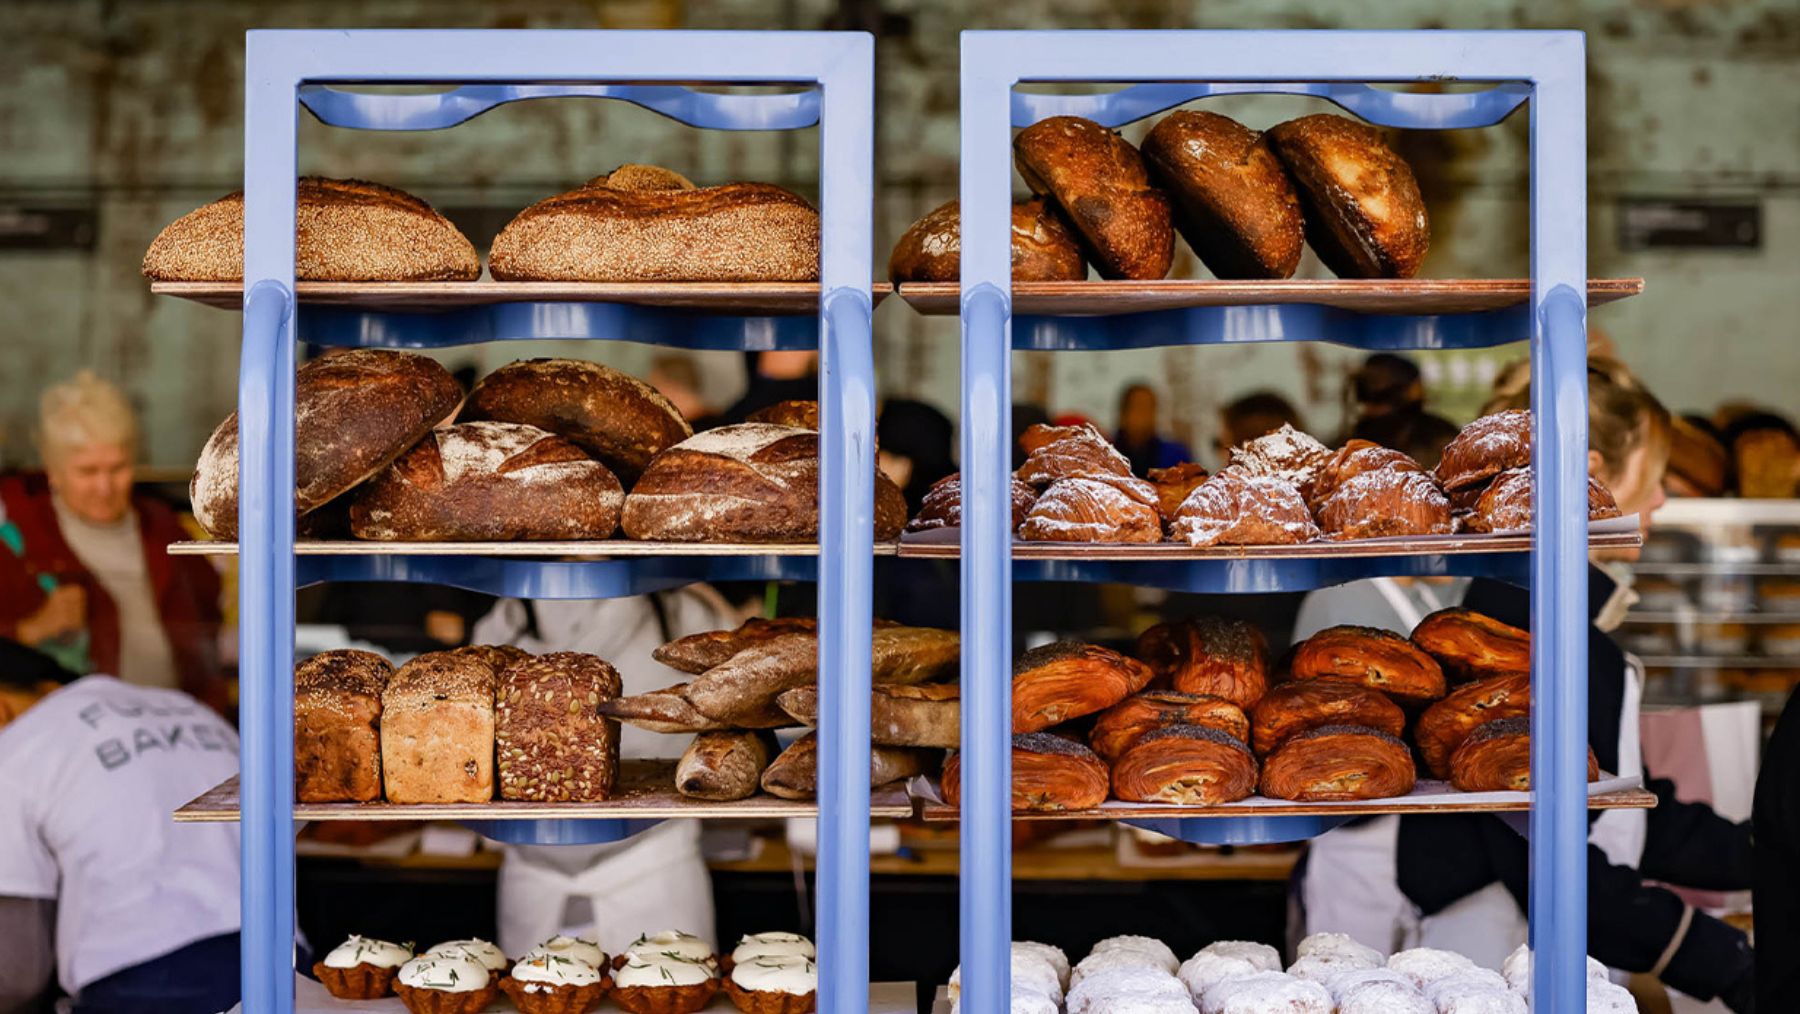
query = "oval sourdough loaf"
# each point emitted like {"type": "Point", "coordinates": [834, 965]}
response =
{"type": "Point", "coordinates": [489, 482]}
{"type": "Point", "coordinates": [1364, 215]}
{"type": "Point", "coordinates": [354, 413]}
{"type": "Point", "coordinates": [1042, 248]}
{"type": "Point", "coordinates": [1234, 203]}
{"type": "Point", "coordinates": [346, 231]}
{"type": "Point", "coordinates": [1099, 182]}
{"type": "Point", "coordinates": [613, 416]}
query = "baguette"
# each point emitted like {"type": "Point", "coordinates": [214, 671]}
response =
{"type": "Point", "coordinates": [928, 716]}
{"type": "Point", "coordinates": [742, 692]}
{"type": "Point", "coordinates": [666, 711]}
{"type": "Point", "coordinates": [795, 774]}
{"type": "Point", "coordinates": [696, 653]}
{"type": "Point", "coordinates": [724, 765]}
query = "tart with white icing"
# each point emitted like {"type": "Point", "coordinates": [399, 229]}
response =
{"type": "Point", "coordinates": [361, 968]}
{"type": "Point", "coordinates": [772, 944]}
{"type": "Point", "coordinates": [579, 948]}
{"type": "Point", "coordinates": [548, 982]}
{"type": "Point", "coordinates": [446, 984]}
{"type": "Point", "coordinates": [774, 984]}
{"type": "Point", "coordinates": [491, 957]}
{"type": "Point", "coordinates": [663, 982]}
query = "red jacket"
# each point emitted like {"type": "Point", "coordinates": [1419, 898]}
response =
{"type": "Point", "coordinates": [186, 588]}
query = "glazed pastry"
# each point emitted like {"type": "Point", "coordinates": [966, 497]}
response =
{"type": "Point", "coordinates": [1370, 657]}
{"type": "Point", "coordinates": [1226, 959]}
{"type": "Point", "coordinates": [1173, 484]}
{"type": "Point", "coordinates": [1423, 966]}
{"type": "Point", "coordinates": [1385, 503]}
{"type": "Point", "coordinates": [1364, 215]}
{"type": "Point", "coordinates": [1445, 725]}
{"type": "Point", "coordinates": [1234, 203]}
{"type": "Point", "coordinates": [547, 983]}
{"type": "Point", "coordinates": [1109, 509]}
{"type": "Point", "coordinates": [1485, 448]}
{"type": "Point", "coordinates": [1188, 764]}
{"type": "Point", "coordinates": [361, 969]}
{"type": "Point", "coordinates": [491, 957]}
{"type": "Point", "coordinates": [663, 982]}
{"type": "Point", "coordinates": [1234, 508]}
{"type": "Point", "coordinates": [1098, 182]}
{"type": "Point", "coordinates": [1471, 645]}
{"type": "Point", "coordinates": [1042, 248]}
{"type": "Point", "coordinates": [1123, 724]}
{"type": "Point", "coordinates": [1069, 452]}
{"type": "Point", "coordinates": [1266, 993]}
{"type": "Point", "coordinates": [697, 653]}
{"type": "Point", "coordinates": [1506, 504]}
{"type": "Point", "coordinates": [1208, 655]}
{"type": "Point", "coordinates": [1350, 461]}
{"type": "Point", "coordinates": [774, 984]}
{"type": "Point", "coordinates": [772, 945]}
{"type": "Point", "coordinates": [1338, 762]}
{"type": "Point", "coordinates": [1049, 774]}
{"type": "Point", "coordinates": [1056, 682]}
{"type": "Point", "coordinates": [446, 984]}
{"type": "Point", "coordinates": [942, 505]}
{"type": "Point", "coordinates": [1294, 707]}
{"type": "Point", "coordinates": [1285, 453]}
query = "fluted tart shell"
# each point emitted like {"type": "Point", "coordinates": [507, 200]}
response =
{"type": "Point", "coordinates": [1208, 655]}
{"type": "Point", "coordinates": [1447, 724]}
{"type": "Point", "coordinates": [1370, 657]}
{"type": "Point", "coordinates": [684, 999]}
{"type": "Point", "coordinates": [1050, 773]}
{"type": "Point", "coordinates": [437, 1001]}
{"type": "Point", "coordinates": [558, 999]}
{"type": "Point", "coordinates": [1294, 707]}
{"type": "Point", "coordinates": [1126, 722]}
{"type": "Point", "coordinates": [768, 1001]}
{"type": "Point", "coordinates": [1192, 765]}
{"type": "Point", "coordinates": [361, 981]}
{"type": "Point", "coordinates": [1339, 763]}
{"type": "Point", "coordinates": [1471, 645]}
{"type": "Point", "coordinates": [1067, 679]}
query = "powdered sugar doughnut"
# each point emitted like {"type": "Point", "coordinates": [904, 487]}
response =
{"type": "Point", "coordinates": [1267, 993]}
{"type": "Point", "coordinates": [1226, 959]}
{"type": "Point", "coordinates": [1470, 997]}
{"type": "Point", "coordinates": [1143, 982]}
{"type": "Point", "coordinates": [1051, 954]}
{"type": "Point", "coordinates": [1161, 1003]}
{"type": "Point", "coordinates": [1517, 970]}
{"type": "Point", "coordinates": [1030, 972]}
{"type": "Point", "coordinates": [1146, 945]}
{"type": "Point", "coordinates": [1023, 1002]}
{"type": "Point", "coordinates": [1321, 967]}
{"type": "Point", "coordinates": [1340, 943]}
{"type": "Point", "coordinates": [1385, 996]}
{"type": "Point", "coordinates": [1426, 965]}
{"type": "Point", "coordinates": [1606, 997]}
{"type": "Point", "coordinates": [1475, 978]}
{"type": "Point", "coordinates": [1344, 984]}
{"type": "Point", "coordinates": [1122, 957]}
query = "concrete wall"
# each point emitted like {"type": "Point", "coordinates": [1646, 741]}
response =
{"type": "Point", "coordinates": [134, 110]}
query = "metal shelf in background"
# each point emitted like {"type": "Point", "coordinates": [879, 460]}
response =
{"type": "Point", "coordinates": [1720, 661]}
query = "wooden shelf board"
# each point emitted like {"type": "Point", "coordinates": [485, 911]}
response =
{"type": "Point", "coordinates": [736, 298]}
{"type": "Point", "coordinates": [1441, 800]}
{"type": "Point", "coordinates": [1412, 296]}
{"type": "Point", "coordinates": [645, 791]}
{"type": "Point", "coordinates": [596, 549]}
{"type": "Point", "coordinates": [1430, 545]}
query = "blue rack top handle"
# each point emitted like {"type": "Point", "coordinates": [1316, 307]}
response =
{"type": "Point", "coordinates": [1381, 106]}
{"type": "Point", "coordinates": [435, 111]}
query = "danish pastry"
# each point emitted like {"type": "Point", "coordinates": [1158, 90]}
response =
{"type": "Point", "coordinates": [1471, 645]}
{"type": "Point", "coordinates": [1056, 682]}
{"type": "Point", "coordinates": [1194, 765]}
{"type": "Point", "coordinates": [1445, 725]}
{"type": "Point", "coordinates": [1290, 708]}
{"type": "Point", "coordinates": [1049, 773]}
{"type": "Point", "coordinates": [1123, 724]}
{"type": "Point", "coordinates": [1339, 762]}
{"type": "Point", "coordinates": [1208, 655]}
{"type": "Point", "coordinates": [1370, 657]}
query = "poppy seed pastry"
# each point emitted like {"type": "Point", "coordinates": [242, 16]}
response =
{"type": "Point", "coordinates": [1364, 215]}
{"type": "Point", "coordinates": [1067, 679]}
{"type": "Point", "coordinates": [1233, 201]}
{"type": "Point", "coordinates": [1122, 725]}
{"type": "Point", "coordinates": [1471, 645]}
{"type": "Point", "coordinates": [1370, 657]}
{"type": "Point", "coordinates": [1099, 183]}
{"type": "Point", "coordinates": [1192, 765]}
{"type": "Point", "coordinates": [1049, 774]}
{"type": "Point", "coordinates": [1338, 762]}
{"type": "Point", "coordinates": [1298, 705]}
{"type": "Point", "coordinates": [1446, 724]}
{"type": "Point", "coordinates": [1208, 655]}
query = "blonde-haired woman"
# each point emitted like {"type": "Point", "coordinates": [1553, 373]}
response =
{"type": "Point", "coordinates": [85, 575]}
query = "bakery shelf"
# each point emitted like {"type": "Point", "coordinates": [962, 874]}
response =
{"type": "Point", "coordinates": [1423, 545]}
{"type": "Point", "coordinates": [342, 107]}
{"type": "Point", "coordinates": [1720, 661]}
{"type": "Point", "coordinates": [1716, 567]}
{"type": "Point", "coordinates": [312, 998]}
{"type": "Point", "coordinates": [1702, 616]}
{"type": "Point", "coordinates": [593, 549]}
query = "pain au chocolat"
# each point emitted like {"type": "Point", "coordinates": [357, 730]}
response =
{"type": "Point", "coordinates": [1056, 682]}
{"type": "Point", "coordinates": [1043, 250]}
{"type": "Point", "coordinates": [1123, 724]}
{"type": "Point", "coordinates": [1049, 773]}
{"type": "Point", "coordinates": [1292, 708]}
{"type": "Point", "coordinates": [1445, 725]}
{"type": "Point", "coordinates": [1193, 765]}
{"type": "Point", "coordinates": [1208, 655]}
{"type": "Point", "coordinates": [1233, 201]}
{"type": "Point", "coordinates": [1099, 183]}
{"type": "Point", "coordinates": [1370, 657]}
{"type": "Point", "coordinates": [1339, 762]}
{"type": "Point", "coordinates": [1497, 757]}
{"type": "Point", "coordinates": [1471, 645]}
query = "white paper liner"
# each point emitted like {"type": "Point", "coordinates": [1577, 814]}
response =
{"type": "Point", "coordinates": [1427, 794]}
{"type": "Point", "coordinates": [312, 998]}
{"type": "Point", "coordinates": [1608, 526]}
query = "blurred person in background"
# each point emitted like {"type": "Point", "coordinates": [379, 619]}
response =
{"type": "Point", "coordinates": [678, 379]}
{"type": "Point", "coordinates": [1137, 438]}
{"type": "Point", "coordinates": [912, 446]}
{"type": "Point", "coordinates": [1253, 415]}
{"type": "Point", "coordinates": [85, 575]}
{"type": "Point", "coordinates": [773, 377]}
{"type": "Point", "coordinates": [1390, 409]}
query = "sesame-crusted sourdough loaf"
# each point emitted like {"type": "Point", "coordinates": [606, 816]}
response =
{"type": "Point", "coordinates": [354, 413]}
{"type": "Point", "coordinates": [615, 417]}
{"type": "Point", "coordinates": [551, 745]}
{"type": "Point", "coordinates": [489, 482]}
{"type": "Point", "coordinates": [1042, 248]}
{"type": "Point", "coordinates": [1098, 181]}
{"type": "Point", "coordinates": [751, 482]}
{"type": "Point", "coordinates": [1364, 215]}
{"type": "Point", "coordinates": [738, 232]}
{"type": "Point", "coordinates": [437, 730]}
{"type": "Point", "coordinates": [337, 722]}
{"type": "Point", "coordinates": [346, 231]}
{"type": "Point", "coordinates": [1234, 203]}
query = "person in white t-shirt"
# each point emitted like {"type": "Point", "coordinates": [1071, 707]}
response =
{"type": "Point", "coordinates": [135, 913]}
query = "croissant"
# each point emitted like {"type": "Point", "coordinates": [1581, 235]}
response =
{"type": "Point", "coordinates": [1123, 724]}
{"type": "Point", "coordinates": [941, 506]}
{"type": "Point", "coordinates": [1445, 725]}
{"type": "Point", "coordinates": [1485, 448]}
{"type": "Point", "coordinates": [1339, 762]}
{"type": "Point", "coordinates": [1105, 509]}
{"type": "Point", "coordinates": [1208, 655]}
{"type": "Point", "coordinates": [1286, 453]}
{"type": "Point", "coordinates": [1384, 503]}
{"type": "Point", "coordinates": [1065, 680]}
{"type": "Point", "coordinates": [1173, 484]}
{"type": "Point", "coordinates": [1194, 765]}
{"type": "Point", "coordinates": [1471, 645]}
{"type": "Point", "coordinates": [1370, 657]}
{"type": "Point", "coordinates": [1049, 773]}
{"type": "Point", "coordinates": [1349, 461]}
{"type": "Point", "coordinates": [1506, 503]}
{"type": "Point", "coordinates": [1235, 508]}
{"type": "Point", "coordinates": [1497, 757]}
{"type": "Point", "coordinates": [1290, 708]}
{"type": "Point", "coordinates": [1077, 452]}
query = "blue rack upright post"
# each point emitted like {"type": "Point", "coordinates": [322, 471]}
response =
{"type": "Point", "coordinates": [1545, 68]}
{"type": "Point", "coordinates": [285, 70]}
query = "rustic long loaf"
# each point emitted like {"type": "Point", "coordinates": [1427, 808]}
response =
{"type": "Point", "coordinates": [723, 766]}
{"type": "Point", "coordinates": [928, 716]}
{"type": "Point", "coordinates": [667, 711]}
{"type": "Point", "coordinates": [744, 689]}
{"type": "Point", "coordinates": [620, 420]}
{"type": "Point", "coordinates": [795, 774]}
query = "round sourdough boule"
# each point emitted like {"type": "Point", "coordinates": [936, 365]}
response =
{"type": "Point", "coordinates": [345, 231]}
{"type": "Point", "coordinates": [1098, 181]}
{"type": "Point", "coordinates": [354, 413]}
{"type": "Point", "coordinates": [489, 482]}
{"type": "Point", "coordinates": [1364, 215]}
{"type": "Point", "coordinates": [620, 420]}
{"type": "Point", "coordinates": [1234, 203]}
{"type": "Point", "coordinates": [1042, 248]}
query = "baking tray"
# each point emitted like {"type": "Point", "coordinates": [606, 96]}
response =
{"type": "Point", "coordinates": [312, 998]}
{"type": "Point", "coordinates": [735, 298]}
{"type": "Point", "coordinates": [1411, 296]}
{"type": "Point", "coordinates": [593, 548]}
{"type": "Point", "coordinates": [645, 791]}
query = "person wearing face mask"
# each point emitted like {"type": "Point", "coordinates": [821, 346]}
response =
{"type": "Point", "coordinates": [1461, 881]}
{"type": "Point", "coordinates": [85, 575]}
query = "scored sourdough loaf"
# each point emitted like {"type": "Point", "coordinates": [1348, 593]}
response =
{"type": "Point", "coordinates": [1234, 203]}
{"type": "Point", "coordinates": [725, 765]}
{"type": "Point", "coordinates": [489, 482]}
{"type": "Point", "coordinates": [750, 482]}
{"type": "Point", "coordinates": [1364, 215]}
{"type": "Point", "coordinates": [615, 417]}
{"type": "Point", "coordinates": [354, 413]}
{"type": "Point", "coordinates": [795, 773]}
{"type": "Point", "coordinates": [337, 723]}
{"type": "Point", "coordinates": [437, 730]}
{"type": "Point", "coordinates": [599, 232]}
{"type": "Point", "coordinates": [1098, 181]}
{"type": "Point", "coordinates": [1042, 248]}
{"type": "Point", "coordinates": [551, 744]}
{"type": "Point", "coordinates": [345, 231]}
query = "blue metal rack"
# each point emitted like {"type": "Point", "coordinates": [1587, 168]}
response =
{"type": "Point", "coordinates": [833, 75]}
{"type": "Point", "coordinates": [1544, 67]}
